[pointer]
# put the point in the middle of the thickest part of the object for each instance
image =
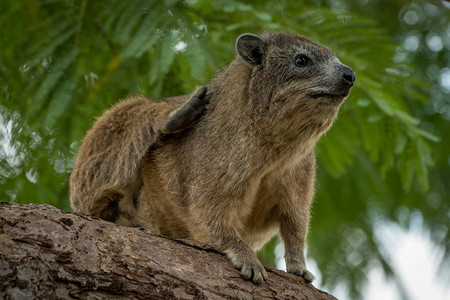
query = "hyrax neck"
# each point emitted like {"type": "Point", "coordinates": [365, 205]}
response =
{"type": "Point", "coordinates": [260, 139]}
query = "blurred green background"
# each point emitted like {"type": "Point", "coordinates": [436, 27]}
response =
{"type": "Point", "coordinates": [386, 161]}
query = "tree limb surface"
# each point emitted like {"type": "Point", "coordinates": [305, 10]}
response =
{"type": "Point", "coordinates": [46, 253]}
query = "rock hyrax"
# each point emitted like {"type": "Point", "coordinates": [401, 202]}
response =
{"type": "Point", "coordinates": [230, 165]}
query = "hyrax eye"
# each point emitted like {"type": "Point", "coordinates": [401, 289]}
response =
{"type": "Point", "coordinates": [301, 60]}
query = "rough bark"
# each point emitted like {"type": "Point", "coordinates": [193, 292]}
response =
{"type": "Point", "coordinates": [47, 253]}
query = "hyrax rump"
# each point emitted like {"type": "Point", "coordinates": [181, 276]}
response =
{"type": "Point", "coordinates": [231, 165]}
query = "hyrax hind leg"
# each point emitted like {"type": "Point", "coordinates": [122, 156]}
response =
{"type": "Point", "coordinates": [106, 179]}
{"type": "Point", "coordinates": [179, 120]}
{"type": "Point", "coordinates": [188, 113]}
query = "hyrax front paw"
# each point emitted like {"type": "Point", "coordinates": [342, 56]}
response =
{"type": "Point", "coordinates": [302, 272]}
{"type": "Point", "coordinates": [250, 267]}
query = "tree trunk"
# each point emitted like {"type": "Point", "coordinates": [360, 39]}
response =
{"type": "Point", "coordinates": [47, 253]}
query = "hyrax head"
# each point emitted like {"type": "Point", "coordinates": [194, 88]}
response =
{"type": "Point", "coordinates": [291, 70]}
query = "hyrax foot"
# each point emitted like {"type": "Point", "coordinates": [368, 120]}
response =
{"type": "Point", "coordinates": [251, 268]}
{"type": "Point", "coordinates": [187, 114]}
{"type": "Point", "coordinates": [302, 272]}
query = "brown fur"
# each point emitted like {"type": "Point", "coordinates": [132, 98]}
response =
{"type": "Point", "coordinates": [244, 173]}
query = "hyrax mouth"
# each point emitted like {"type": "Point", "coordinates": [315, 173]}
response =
{"type": "Point", "coordinates": [337, 95]}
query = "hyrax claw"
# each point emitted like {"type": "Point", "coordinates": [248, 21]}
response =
{"type": "Point", "coordinates": [250, 267]}
{"type": "Point", "coordinates": [305, 274]}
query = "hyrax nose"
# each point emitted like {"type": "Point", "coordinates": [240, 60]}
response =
{"type": "Point", "coordinates": [348, 76]}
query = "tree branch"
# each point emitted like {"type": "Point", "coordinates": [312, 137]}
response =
{"type": "Point", "coordinates": [48, 253]}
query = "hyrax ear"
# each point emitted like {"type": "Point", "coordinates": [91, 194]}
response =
{"type": "Point", "coordinates": [251, 48]}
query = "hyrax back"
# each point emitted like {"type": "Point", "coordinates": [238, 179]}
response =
{"type": "Point", "coordinates": [106, 178]}
{"type": "Point", "coordinates": [243, 173]}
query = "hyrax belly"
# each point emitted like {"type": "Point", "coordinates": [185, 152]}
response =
{"type": "Point", "coordinates": [262, 223]}
{"type": "Point", "coordinates": [170, 200]}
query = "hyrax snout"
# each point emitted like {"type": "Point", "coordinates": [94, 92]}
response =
{"type": "Point", "coordinates": [232, 164]}
{"type": "Point", "coordinates": [341, 79]}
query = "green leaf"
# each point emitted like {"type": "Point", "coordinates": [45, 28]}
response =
{"type": "Point", "coordinates": [167, 53]}
{"type": "Point", "coordinates": [263, 16]}
{"type": "Point", "coordinates": [422, 166]}
{"type": "Point", "coordinates": [60, 101]}
{"type": "Point", "coordinates": [426, 135]}
{"type": "Point", "coordinates": [56, 73]}
{"type": "Point", "coordinates": [127, 21]}
{"type": "Point", "coordinates": [196, 58]}
{"type": "Point", "coordinates": [61, 36]}
{"type": "Point", "coordinates": [161, 65]}
{"type": "Point", "coordinates": [407, 168]}
{"type": "Point", "coordinates": [406, 118]}
{"type": "Point", "coordinates": [237, 26]}
{"type": "Point", "coordinates": [400, 143]}
{"type": "Point", "coordinates": [374, 118]}
{"type": "Point", "coordinates": [140, 38]}
{"type": "Point", "coordinates": [363, 102]}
